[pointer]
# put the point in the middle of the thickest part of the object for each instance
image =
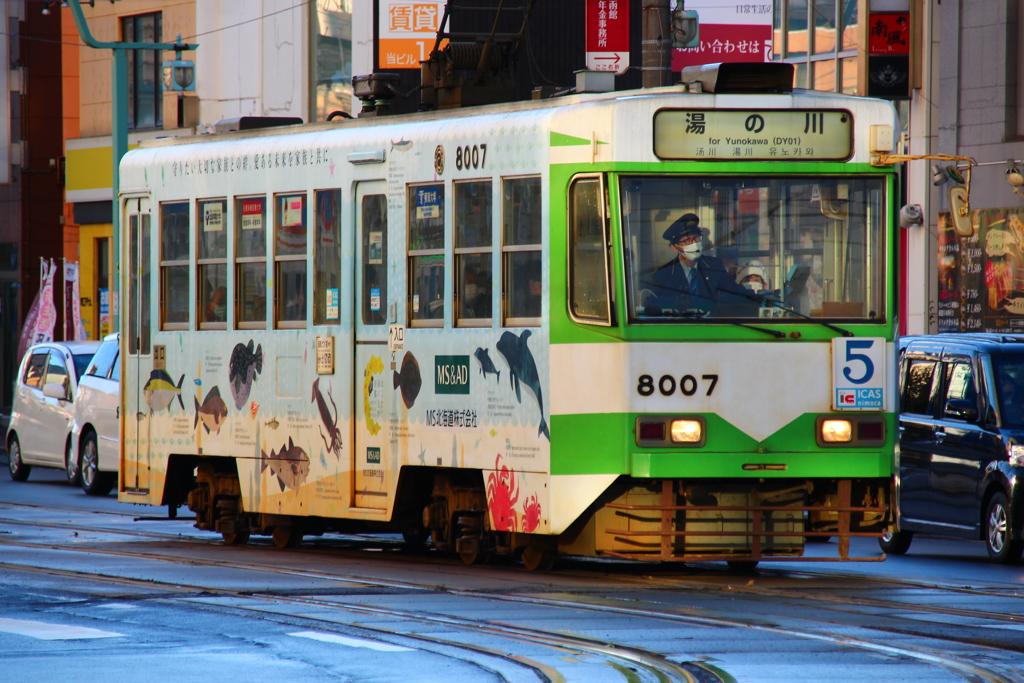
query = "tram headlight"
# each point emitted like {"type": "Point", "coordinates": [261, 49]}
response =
{"type": "Point", "coordinates": [1016, 455]}
{"type": "Point", "coordinates": [686, 431]}
{"type": "Point", "coordinates": [836, 431]}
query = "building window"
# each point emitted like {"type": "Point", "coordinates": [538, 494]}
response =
{"type": "Point", "coordinates": [331, 66]}
{"type": "Point", "coordinates": [290, 260]}
{"type": "Point", "coordinates": [473, 267]}
{"type": "Point", "coordinates": [426, 255]}
{"type": "Point", "coordinates": [521, 251]}
{"type": "Point", "coordinates": [145, 82]}
{"type": "Point", "coordinates": [251, 262]}
{"type": "Point", "coordinates": [174, 258]}
{"type": "Point", "coordinates": [327, 259]}
{"type": "Point", "coordinates": [375, 258]}
{"type": "Point", "coordinates": [212, 270]}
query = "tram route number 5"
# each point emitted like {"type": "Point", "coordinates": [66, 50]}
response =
{"type": "Point", "coordinates": [858, 373]}
{"type": "Point", "coordinates": [666, 385]}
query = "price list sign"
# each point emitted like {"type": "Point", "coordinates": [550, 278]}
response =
{"type": "Point", "coordinates": [746, 135]}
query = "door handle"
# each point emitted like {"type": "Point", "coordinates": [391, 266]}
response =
{"type": "Point", "coordinates": [939, 435]}
{"type": "Point", "coordinates": [117, 413]}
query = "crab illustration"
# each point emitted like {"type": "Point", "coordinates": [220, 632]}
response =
{"type": "Point", "coordinates": [502, 496]}
{"type": "Point", "coordinates": [531, 514]}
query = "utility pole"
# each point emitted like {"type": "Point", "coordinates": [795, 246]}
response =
{"type": "Point", "coordinates": [657, 44]}
{"type": "Point", "coordinates": [119, 127]}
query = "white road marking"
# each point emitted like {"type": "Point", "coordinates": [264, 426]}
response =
{"type": "Point", "coordinates": [44, 631]}
{"type": "Point", "coordinates": [351, 642]}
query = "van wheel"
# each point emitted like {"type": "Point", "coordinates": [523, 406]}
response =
{"type": "Point", "coordinates": [94, 482]}
{"type": "Point", "coordinates": [19, 470]}
{"type": "Point", "coordinates": [895, 543]}
{"type": "Point", "coordinates": [1002, 547]}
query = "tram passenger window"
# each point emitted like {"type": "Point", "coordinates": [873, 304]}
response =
{"type": "Point", "coordinates": [212, 267]}
{"type": "Point", "coordinates": [174, 261]}
{"type": "Point", "coordinates": [290, 260]}
{"type": "Point", "coordinates": [375, 259]}
{"type": "Point", "coordinates": [473, 263]}
{"type": "Point", "coordinates": [588, 261]}
{"type": "Point", "coordinates": [327, 258]}
{"type": "Point", "coordinates": [426, 255]}
{"type": "Point", "coordinates": [521, 251]}
{"type": "Point", "coordinates": [251, 262]}
{"type": "Point", "coordinates": [917, 392]}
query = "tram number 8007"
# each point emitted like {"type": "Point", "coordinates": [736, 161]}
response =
{"type": "Point", "coordinates": [667, 385]}
{"type": "Point", "coordinates": [470, 156]}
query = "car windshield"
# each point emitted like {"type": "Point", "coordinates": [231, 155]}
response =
{"type": "Point", "coordinates": [753, 247]}
{"type": "Point", "coordinates": [81, 361]}
{"type": "Point", "coordinates": [1010, 387]}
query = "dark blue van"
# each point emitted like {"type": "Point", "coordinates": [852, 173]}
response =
{"type": "Point", "coordinates": [961, 446]}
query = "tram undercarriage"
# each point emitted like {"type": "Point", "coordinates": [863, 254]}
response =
{"type": "Point", "coordinates": [741, 522]}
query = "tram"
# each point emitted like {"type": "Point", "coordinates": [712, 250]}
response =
{"type": "Point", "coordinates": [654, 325]}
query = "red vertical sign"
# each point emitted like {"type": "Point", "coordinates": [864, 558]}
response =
{"type": "Point", "coordinates": [607, 41]}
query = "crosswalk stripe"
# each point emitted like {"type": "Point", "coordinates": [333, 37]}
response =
{"type": "Point", "coordinates": [350, 642]}
{"type": "Point", "coordinates": [44, 631]}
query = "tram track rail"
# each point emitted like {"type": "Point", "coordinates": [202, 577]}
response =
{"type": "Point", "coordinates": [646, 610]}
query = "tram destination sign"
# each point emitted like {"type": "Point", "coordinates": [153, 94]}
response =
{"type": "Point", "coordinates": [753, 135]}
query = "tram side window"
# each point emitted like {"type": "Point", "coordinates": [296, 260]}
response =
{"type": "Point", "coordinates": [174, 260]}
{"type": "Point", "coordinates": [327, 258]}
{"type": "Point", "coordinates": [917, 393]}
{"type": "Point", "coordinates": [521, 251]}
{"type": "Point", "coordinates": [588, 261]}
{"type": "Point", "coordinates": [212, 270]}
{"type": "Point", "coordinates": [426, 255]}
{"type": "Point", "coordinates": [473, 263]}
{"type": "Point", "coordinates": [290, 260]}
{"type": "Point", "coordinates": [375, 258]}
{"type": "Point", "coordinates": [251, 262]}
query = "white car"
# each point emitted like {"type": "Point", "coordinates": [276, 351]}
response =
{"type": "Point", "coordinates": [96, 433]}
{"type": "Point", "coordinates": [44, 407]}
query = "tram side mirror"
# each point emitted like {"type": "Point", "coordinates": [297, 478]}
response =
{"type": "Point", "coordinates": [962, 409]}
{"type": "Point", "coordinates": [911, 215]}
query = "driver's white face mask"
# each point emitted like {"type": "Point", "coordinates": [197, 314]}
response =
{"type": "Point", "coordinates": [693, 251]}
{"type": "Point", "coordinates": [754, 286]}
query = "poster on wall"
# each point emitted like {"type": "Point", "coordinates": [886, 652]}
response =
{"type": "Point", "coordinates": [981, 277]}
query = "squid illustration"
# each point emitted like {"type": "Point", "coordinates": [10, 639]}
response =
{"type": "Point", "coordinates": [331, 423]}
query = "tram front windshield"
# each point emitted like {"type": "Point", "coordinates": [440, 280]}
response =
{"type": "Point", "coordinates": [765, 248]}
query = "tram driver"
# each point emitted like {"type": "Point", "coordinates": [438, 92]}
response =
{"type": "Point", "coordinates": [694, 283]}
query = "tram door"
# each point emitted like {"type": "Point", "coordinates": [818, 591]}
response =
{"type": "Point", "coordinates": [136, 344]}
{"type": "Point", "coordinates": [373, 461]}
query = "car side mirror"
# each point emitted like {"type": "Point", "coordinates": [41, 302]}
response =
{"type": "Point", "coordinates": [962, 409]}
{"type": "Point", "coordinates": [55, 390]}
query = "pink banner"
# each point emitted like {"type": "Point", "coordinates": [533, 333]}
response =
{"type": "Point", "coordinates": [74, 330]}
{"type": "Point", "coordinates": [42, 317]}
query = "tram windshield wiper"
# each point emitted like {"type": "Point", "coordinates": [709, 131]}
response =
{"type": "Point", "coordinates": [778, 304]}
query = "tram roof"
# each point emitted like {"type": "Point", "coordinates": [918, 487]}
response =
{"type": "Point", "coordinates": [702, 100]}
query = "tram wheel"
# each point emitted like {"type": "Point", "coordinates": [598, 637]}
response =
{"type": "Point", "coordinates": [286, 537]}
{"type": "Point", "coordinates": [469, 557]}
{"type": "Point", "coordinates": [742, 565]}
{"type": "Point", "coordinates": [237, 538]}
{"type": "Point", "coordinates": [535, 558]}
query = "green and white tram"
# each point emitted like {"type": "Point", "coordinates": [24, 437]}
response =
{"type": "Point", "coordinates": [654, 324]}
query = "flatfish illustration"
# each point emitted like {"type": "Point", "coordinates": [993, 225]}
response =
{"type": "Point", "coordinates": [523, 370]}
{"type": "Point", "coordinates": [486, 364]}
{"type": "Point", "coordinates": [290, 465]}
{"type": "Point", "coordinates": [408, 379]}
{"type": "Point", "coordinates": [213, 412]}
{"type": "Point", "coordinates": [245, 364]}
{"type": "Point", "coordinates": [160, 391]}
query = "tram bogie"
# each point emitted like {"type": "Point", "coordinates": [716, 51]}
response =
{"type": "Point", "coordinates": [617, 336]}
